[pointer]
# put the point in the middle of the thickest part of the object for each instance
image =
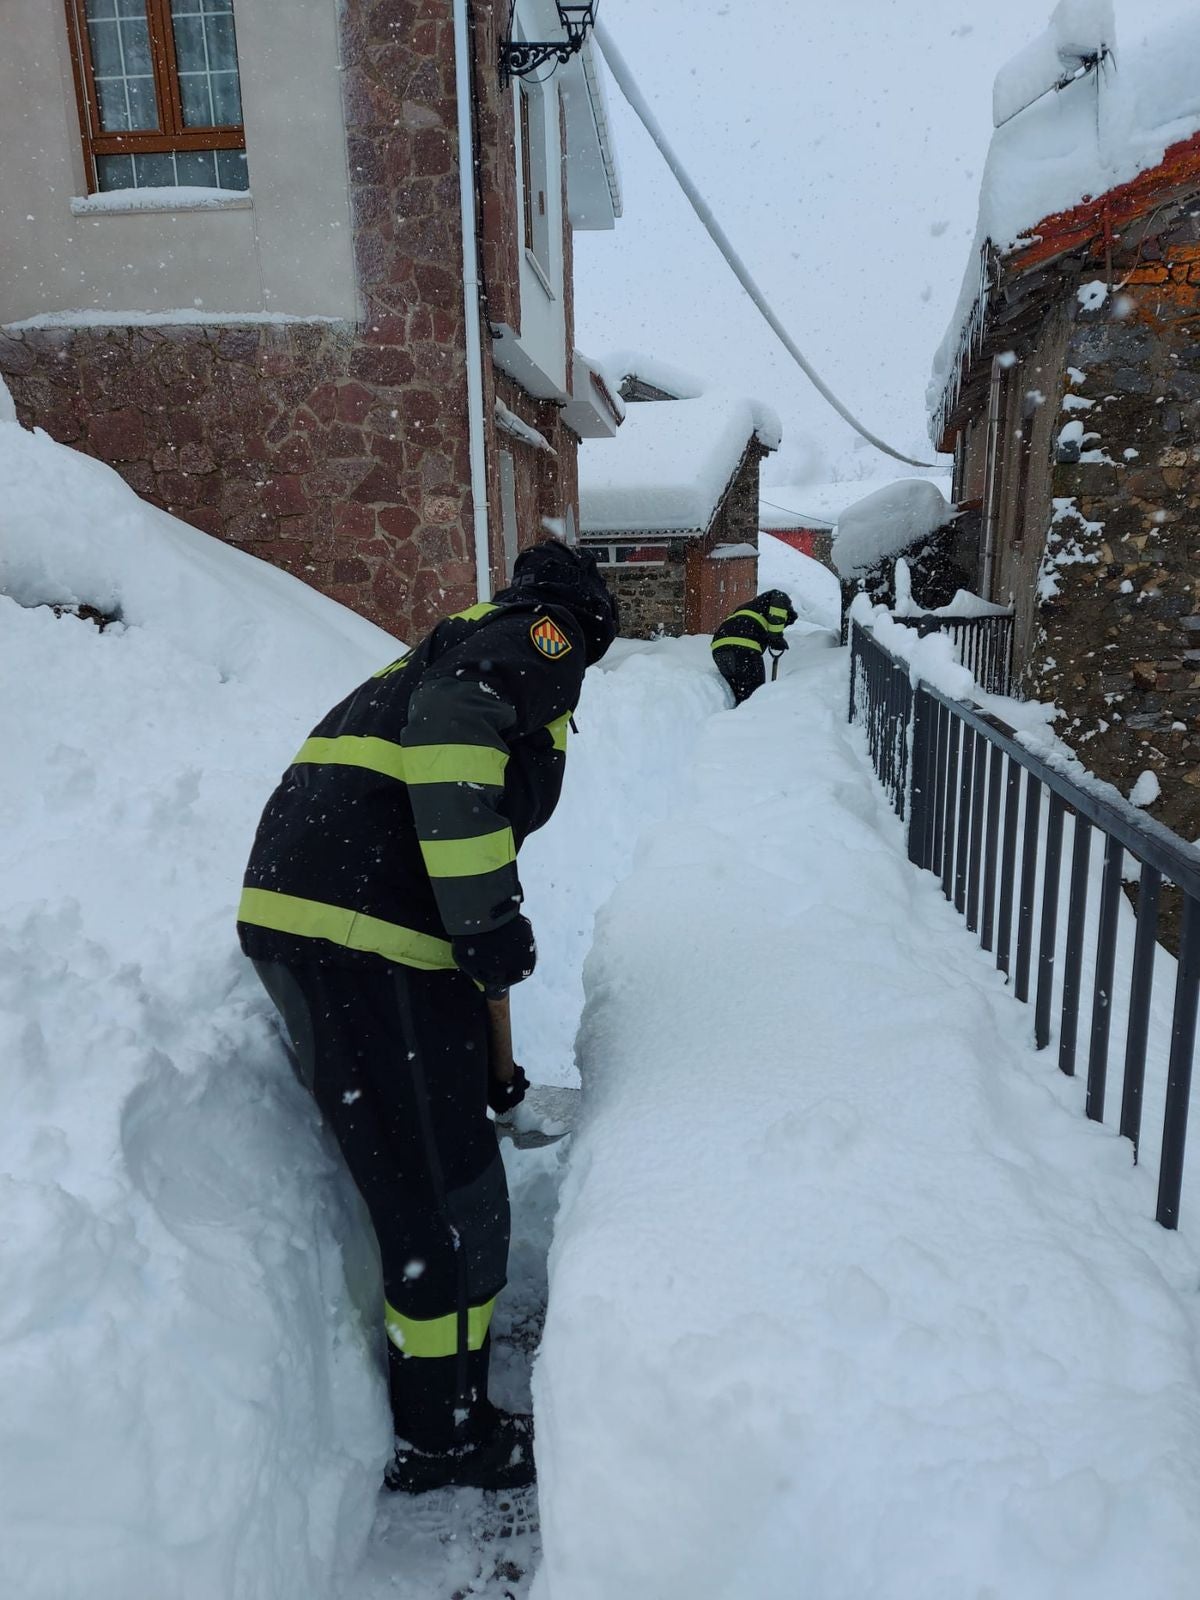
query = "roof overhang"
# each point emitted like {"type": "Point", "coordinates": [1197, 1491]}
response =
{"type": "Point", "coordinates": [591, 412]}
{"type": "Point", "coordinates": [1015, 283]}
{"type": "Point", "coordinates": [593, 183]}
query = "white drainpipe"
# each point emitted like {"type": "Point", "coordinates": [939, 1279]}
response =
{"type": "Point", "coordinates": [470, 249]}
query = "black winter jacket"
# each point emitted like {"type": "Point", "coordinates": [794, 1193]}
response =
{"type": "Point", "coordinates": [397, 826]}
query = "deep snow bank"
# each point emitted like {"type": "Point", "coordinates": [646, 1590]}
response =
{"type": "Point", "coordinates": [191, 1403]}
{"type": "Point", "coordinates": [847, 1298]}
{"type": "Point", "coordinates": [189, 1406]}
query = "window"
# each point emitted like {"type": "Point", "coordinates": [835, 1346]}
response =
{"type": "Point", "coordinates": [620, 555]}
{"type": "Point", "coordinates": [535, 220]}
{"type": "Point", "coordinates": [159, 98]}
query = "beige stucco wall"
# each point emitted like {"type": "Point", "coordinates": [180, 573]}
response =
{"type": "Point", "coordinates": [290, 251]}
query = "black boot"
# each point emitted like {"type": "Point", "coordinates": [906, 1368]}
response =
{"type": "Point", "coordinates": [500, 1458]}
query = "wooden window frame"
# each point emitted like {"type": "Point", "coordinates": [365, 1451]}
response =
{"type": "Point", "coordinates": [171, 135]}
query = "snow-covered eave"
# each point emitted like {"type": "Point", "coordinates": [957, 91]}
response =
{"type": "Point", "coordinates": [627, 530]}
{"type": "Point", "coordinates": [1088, 226]}
{"type": "Point", "coordinates": [627, 522]}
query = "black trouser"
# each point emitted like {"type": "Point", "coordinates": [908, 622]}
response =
{"type": "Point", "coordinates": [398, 1063]}
{"type": "Point", "coordinates": [742, 669]}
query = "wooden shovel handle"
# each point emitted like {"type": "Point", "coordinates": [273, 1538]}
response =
{"type": "Point", "coordinates": [500, 1019]}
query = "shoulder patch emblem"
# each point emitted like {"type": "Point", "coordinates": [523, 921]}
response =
{"type": "Point", "coordinates": [549, 638]}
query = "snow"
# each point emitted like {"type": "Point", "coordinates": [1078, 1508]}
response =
{"type": "Point", "coordinates": [669, 464]}
{"type": "Point", "coordinates": [1082, 141]}
{"type": "Point", "coordinates": [813, 590]}
{"type": "Point", "coordinates": [181, 197]}
{"type": "Point", "coordinates": [193, 1406]}
{"type": "Point", "coordinates": [183, 315]}
{"type": "Point", "coordinates": [1078, 30]}
{"type": "Point", "coordinates": [886, 522]}
{"type": "Point", "coordinates": [8, 411]}
{"type": "Point", "coordinates": [509, 422]}
{"type": "Point", "coordinates": [617, 365]}
{"type": "Point", "coordinates": [1093, 294]}
{"type": "Point", "coordinates": [1146, 790]}
{"type": "Point", "coordinates": [818, 505]}
{"type": "Point", "coordinates": [845, 1291]}
{"type": "Point", "coordinates": [846, 1296]}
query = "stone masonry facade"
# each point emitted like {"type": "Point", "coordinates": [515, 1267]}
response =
{"type": "Point", "coordinates": [1118, 644]}
{"type": "Point", "coordinates": [338, 452]}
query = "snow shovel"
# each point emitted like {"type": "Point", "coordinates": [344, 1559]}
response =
{"type": "Point", "coordinates": [548, 1111]}
{"type": "Point", "coordinates": [776, 657]}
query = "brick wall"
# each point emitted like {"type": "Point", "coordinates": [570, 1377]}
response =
{"type": "Point", "coordinates": [338, 453]}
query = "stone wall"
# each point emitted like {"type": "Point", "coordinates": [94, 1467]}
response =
{"type": "Point", "coordinates": [1119, 645]}
{"type": "Point", "coordinates": [337, 452]}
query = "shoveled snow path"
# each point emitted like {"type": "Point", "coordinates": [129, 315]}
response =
{"type": "Point", "coordinates": [846, 1296]}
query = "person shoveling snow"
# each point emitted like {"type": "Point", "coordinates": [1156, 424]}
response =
{"type": "Point", "coordinates": [738, 644]}
{"type": "Point", "coordinates": [381, 910]}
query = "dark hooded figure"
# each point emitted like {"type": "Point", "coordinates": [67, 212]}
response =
{"type": "Point", "coordinates": [382, 910]}
{"type": "Point", "coordinates": [738, 644]}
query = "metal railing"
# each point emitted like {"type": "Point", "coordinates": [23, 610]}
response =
{"type": "Point", "coordinates": [984, 645]}
{"type": "Point", "coordinates": [974, 800]}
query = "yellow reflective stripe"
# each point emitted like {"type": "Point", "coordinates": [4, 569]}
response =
{"type": "Point", "coordinates": [748, 644]}
{"type": "Point", "coordinates": [393, 666]}
{"type": "Point", "coordinates": [754, 616]}
{"type": "Point", "coordinates": [312, 919]}
{"type": "Point", "coordinates": [354, 750]}
{"type": "Point", "coordinates": [475, 613]}
{"type": "Point", "coordinates": [777, 611]}
{"type": "Point", "coordinates": [466, 858]}
{"type": "Point", "coordinates": [436, 1336]}
{"type": "Point", "coordinates": [558, 730]}
{"type": "Point", "coordinates": [430, 763]}
{"type": "Point", "coordinates": [454, 763]}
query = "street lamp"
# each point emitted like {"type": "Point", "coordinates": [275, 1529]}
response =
{"type": "Point", "coordinates": [519, 57]}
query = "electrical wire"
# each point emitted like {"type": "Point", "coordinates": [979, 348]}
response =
{"type": "Point", "coordinates": [624, 80]}
{"type": "Point", "coordinates": [818, 524]}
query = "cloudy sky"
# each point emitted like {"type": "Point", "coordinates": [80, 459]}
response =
{"type": "Point", "coordinates": [841, 147]}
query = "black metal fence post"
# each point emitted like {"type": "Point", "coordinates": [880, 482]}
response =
{"type": "Point", "coordinates": [1179, 1068]}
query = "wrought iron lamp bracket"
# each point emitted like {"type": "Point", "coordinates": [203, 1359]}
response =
{"type": "Point", "coordinates": [520, 57]}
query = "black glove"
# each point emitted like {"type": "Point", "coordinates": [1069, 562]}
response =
{"type": "Point", "coordinates": [506, 1097]}
{"type": "Point", "coordinates": [498, 957]}
{"type": "Point", "coordinates": [778, 646]}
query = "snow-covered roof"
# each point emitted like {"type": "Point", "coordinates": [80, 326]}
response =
{"type": "Point", "coordinates": [812, 505]}
{"type": "Point", "coordinates": [1074, 143]}
{"type": "Point", "coordinates": [670, 463]}
{"type": "Point", "coordinates": [887, 522]}
{"type": "Point", "coordinates": [617, 365]}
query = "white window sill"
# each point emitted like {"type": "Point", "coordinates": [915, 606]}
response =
{"type": "Point", "coordinates": [124, 202]}
{"type": "Point", "coordinates": [539, 272]}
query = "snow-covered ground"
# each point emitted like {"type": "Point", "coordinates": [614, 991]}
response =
{"type": "Point", "coordinates": [846, 1297]}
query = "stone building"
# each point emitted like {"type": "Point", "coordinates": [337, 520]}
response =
{"type": "Point", "coordinates": [250, 272]}
{"type": "Point", "coordinates": [1069, 394]}
{"type": "Point", "coordinates": [670, 507]}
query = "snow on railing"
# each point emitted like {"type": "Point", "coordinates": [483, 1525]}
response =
{"type": "Point", "coordinates": [971, 793]}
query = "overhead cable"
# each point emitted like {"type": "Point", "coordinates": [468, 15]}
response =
{"type": "Point", "coordinates": [624, 80]}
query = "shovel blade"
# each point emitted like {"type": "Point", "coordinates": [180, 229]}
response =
{"type": "Point", "coordinates": [549, 1112]}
